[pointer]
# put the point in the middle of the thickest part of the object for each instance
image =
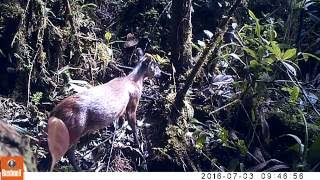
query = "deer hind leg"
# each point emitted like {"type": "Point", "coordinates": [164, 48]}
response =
{"type": "Point", "coordinates": [72, 158]}
{"type": "Point", "coordinates": [76, 131]}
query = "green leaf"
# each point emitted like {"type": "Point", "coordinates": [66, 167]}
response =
{"type": "Point", "coordinates": [107, 36]}
{"type": "Point", "coordinates": [250, 52]}
{"type": "Point", "coordinates": [289, 53]}
{"type": "Point", "coordinates": [201, 141]}
{"type": "Point", "coordinates": [261, 51]}
{"type": "Point", "coordinates": [294, 94]}
{"type": "Point", "coordinates": [258, 28]}
{"type": "Point", "coordinates": [159, 59]}
{"type": "Point", "coordinates": [196, 47]}
{"type": "Point", "coordinates": [254, 64]}
{"type": "Point", "coordinates": [224, 135]}
{"type": "Point", "coordinates": [273, 35]}
{"type": "Point", "coordinates": [242, 147]}
{"type": "Point", "coordinates": [276, 49]}
{"type": "Point", "coordinates": [269, 61]}
{"type": "Point", "coordinates": [251, 14]}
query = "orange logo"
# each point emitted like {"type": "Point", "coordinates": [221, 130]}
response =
{"type": "Point", "coordinates": [11, 168]}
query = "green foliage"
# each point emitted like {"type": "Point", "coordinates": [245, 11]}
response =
{"type": "Point", "coordinates": [36, 98]}
{"type": "Point", "coordinates": [224, 135]}
{"type": "Point", "coordinates": [107, 36]}
{"type": "Point", "coordinates": [265, 52]}
{"type": "Point", "coordinates": [160, 60]}
{"type": "Point", "coordinates": [313, 153]}
{"type": "Point", "coordinates": [293, 92]}
{"type": "Point", "coordinates": [258, 27]}
{"type": "Point", "coordinates": [242, 147]}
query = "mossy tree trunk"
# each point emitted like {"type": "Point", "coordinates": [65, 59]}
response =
{"type": "Point", "coordinates": [181, 35]}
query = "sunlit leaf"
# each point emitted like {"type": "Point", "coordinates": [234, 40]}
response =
{"type": "Point", "coordinates": [237, 57]}
{"type": "Point", "coordinates": [224, 135]}
{"type": "Point", "coordinates": [201, 43]}
{"type": "Point", "coordinates": [159, 59]}
{"type": "Point", "coordinates": [290, 68]}
{"type": "Point", "coordinates": [89, 5]}
{"type": "Point", "coordinates": [251, 14]}
{"type": "Point", "coordinates": [276, 49]}
{"type": "Point", "coordinates": [258, 27]}
{"type": "Point", "coordinates": [107, 36]}
{"type": "Point", "coordinates": [289, 53]}
{"type": "Point", "coordinates": [208, 33]}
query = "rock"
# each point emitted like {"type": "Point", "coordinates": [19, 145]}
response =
{"type": "Point", "coordinates": [14, 144]}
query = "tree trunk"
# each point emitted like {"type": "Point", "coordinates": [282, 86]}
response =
{"type": "Point", "coordinates": [181, 35]}
{"type": "Point", "coordinates": [211, 48]}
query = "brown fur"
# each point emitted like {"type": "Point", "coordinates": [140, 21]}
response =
{"type": "Point", "coordinates": [96, 108]}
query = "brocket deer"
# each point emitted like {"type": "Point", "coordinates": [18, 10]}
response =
{"type": "Point", "coordinates": [97, 108]}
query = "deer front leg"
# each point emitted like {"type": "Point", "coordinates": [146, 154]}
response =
{"type": "Point", "coordinates": [132, 118]}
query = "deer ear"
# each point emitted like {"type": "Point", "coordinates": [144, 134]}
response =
{"type": "Point", "coordinates": [140, 53]}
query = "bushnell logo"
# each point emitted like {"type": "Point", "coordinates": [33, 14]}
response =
{"type": "Point", "coordinates": [12, 163]}
{"type": "Point", "coordinates": [11, 167]}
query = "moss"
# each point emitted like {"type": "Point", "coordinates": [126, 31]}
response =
{"type": "Point", "coordinates": [283, 123]}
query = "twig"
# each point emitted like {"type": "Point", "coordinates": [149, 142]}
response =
{"type": "Point", "coordinates": [225, 106]}
{"type": "Point", "coordinates": [96, 147]}
{"type": "Point", "coordinates": [212, 161]}
{"type": "Point", "coordinates": [103, 142]}
{"type": "Point", "coordinates": [110, 154]}
{"type": "Point", "coordinates": [29, 76]}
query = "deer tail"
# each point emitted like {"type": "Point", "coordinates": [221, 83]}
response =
{"type": "Point", "coordinates": [58, 139]}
